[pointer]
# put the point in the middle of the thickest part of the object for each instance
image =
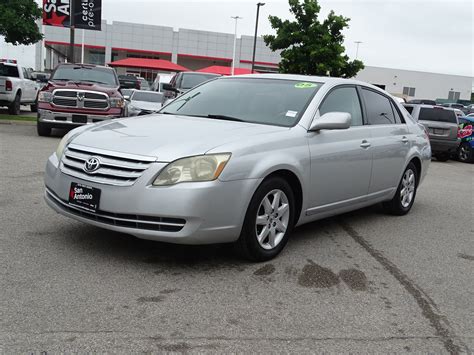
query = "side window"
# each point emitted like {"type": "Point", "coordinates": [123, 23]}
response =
{"type": "Point", "coordinates": [344, 99]}
{"type": "Point", "coordinates": [398, 119]}
{"type": "Point", "coordinates": [26, 75]}
{"type": "Point", "coordinates": [379, 108]}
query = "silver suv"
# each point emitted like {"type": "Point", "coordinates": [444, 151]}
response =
{"type": "Point", "coordinates": [442, 125]}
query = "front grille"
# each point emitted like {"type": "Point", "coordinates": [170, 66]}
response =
{"type": "Point", "coordinates": [155, 223]}
{"type": "Point", "coordinates": [81, 99]}
{"type": "Point", "coordinates": [113, 170]}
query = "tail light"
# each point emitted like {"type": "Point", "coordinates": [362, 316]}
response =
{"type": "Point", "coordinates": [8, 85]}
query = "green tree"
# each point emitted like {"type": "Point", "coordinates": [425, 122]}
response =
{"type": "Point", "coordinates": [309, 46]}
{"type": "Point", "coordinates": [17, 21]}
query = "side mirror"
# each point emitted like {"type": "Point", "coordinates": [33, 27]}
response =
{"type": "Point", "coordinates": [169, 87]}
{"type": "Point", "coordinates": [332, 120]}
{"type": "Point", "coordinates": [126, 97]}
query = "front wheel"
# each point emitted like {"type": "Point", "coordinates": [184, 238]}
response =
{"type": "Point", "coordinates": [405, 196]}
{"type": "Point", "coordinates": [43, 129]}
{"type": "Point", "coordinates": [465, 153]}
{"type": "Point", "coordinates": [268, 222]}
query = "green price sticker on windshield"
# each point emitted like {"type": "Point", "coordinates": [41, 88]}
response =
{"type": "Point", "coordinates": [305, 85]}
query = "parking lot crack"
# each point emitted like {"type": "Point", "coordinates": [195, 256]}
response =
{"type": "Point", "coordinates": [429, 310]}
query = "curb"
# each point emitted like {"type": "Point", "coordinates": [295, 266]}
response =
{"type": "Point", "coordinates": [15, 122]}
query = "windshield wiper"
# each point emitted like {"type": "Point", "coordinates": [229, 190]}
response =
{"type": "Point", "coordinates": [224, 117]}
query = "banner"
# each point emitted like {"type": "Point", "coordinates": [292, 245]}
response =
{"type": "Point", "coordinates": [56, 13]}
{"type": "Point", "coordinates": [87, 14]}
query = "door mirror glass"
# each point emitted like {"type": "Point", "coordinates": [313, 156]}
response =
{"type": "Point", "coordinates": [332, 120]}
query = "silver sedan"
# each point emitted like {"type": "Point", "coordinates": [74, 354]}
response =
{"type": "Point", "coordinates": [242, 160]}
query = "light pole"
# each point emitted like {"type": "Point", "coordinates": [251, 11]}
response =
{"type": "Point", "coordinates": [236, 18]}
{"type": "Point", "coordinates": [255, 37]}
{"type": "Point", "coordinates": [357, 50]}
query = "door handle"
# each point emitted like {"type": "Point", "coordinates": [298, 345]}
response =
{"type": "Point", "coordinates": [404, 139]}
{"type": "Point", "coordinates": [365, 144]}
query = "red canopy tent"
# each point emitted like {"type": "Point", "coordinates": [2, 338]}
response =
{"type": "Point", "coordinates": [218, 69]}
{"type": "Point", "coordinates": [146, 63]}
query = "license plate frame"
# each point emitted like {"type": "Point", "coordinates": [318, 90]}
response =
{"type": "Point", "coordinates": [84, 197]}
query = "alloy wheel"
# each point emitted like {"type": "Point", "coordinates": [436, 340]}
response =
{"type": "Point", "coordinates": [408, 188]}
{"type": "Point", "coordinates": [463, 153]}
{"type": "Point", "coordinates": [272, 220]}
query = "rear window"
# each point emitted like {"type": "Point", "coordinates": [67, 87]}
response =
{"type": "Point", "coordinates": [437, 114]}
{"type": "Point", "coordinates": [147, 96]}
{"type": "Point", "coordinates": [9, 70]}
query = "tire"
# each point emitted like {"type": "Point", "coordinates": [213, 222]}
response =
{"type": "Point", "coordinates": [403, 200]}
{"type": "Point", "coordinates": [43, 129]}
{"type": "Point", "coordinates": [442, 157]}
{"type": "Point", "coordinates": [465, 153]}
{"type": "Point", "coordinates": [271, 224]}
{"type": "Point", "coordinates": [15, 106]}
{"type": "Point", "coordinates": [34, 107]}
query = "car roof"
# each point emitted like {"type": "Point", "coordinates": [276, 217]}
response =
{"type": "Point", "coordinates": [84, 65]}
{"type": "Point", "coordinates": [430, 106]}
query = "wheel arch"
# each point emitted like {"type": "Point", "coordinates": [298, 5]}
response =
{"type": "Point", "coordinates": [417, 162]}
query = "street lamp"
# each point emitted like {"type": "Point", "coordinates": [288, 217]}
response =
{"type": "Point", "coordinates": [357, 50]}
{"type": "Point", "coordinates": [236, 18]}
{"type": "Point", "coordinates": [255, 37]}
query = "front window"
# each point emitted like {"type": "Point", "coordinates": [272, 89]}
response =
{"type": "Point", "coordinates": [96, 75]}
{"type": "Point", "coordinates": [147, 96]}
{"type": "Point", "coordinates": [192, 80]}
{"type": "Point", "coordinates": [266, 101]}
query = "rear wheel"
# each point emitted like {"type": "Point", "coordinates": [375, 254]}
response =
{"type": "Point", "coordinates": [405, 196]}
{"type": "Point", "coordinates": [14, 108]}
{"type": "Point", "coordinates": [465, 153]}
{"type": "Point", "coordinates": [268, 221]}
{"type": "Point", "coordinates": [442, 157]}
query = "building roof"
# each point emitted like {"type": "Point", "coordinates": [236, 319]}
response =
{"type": "Point", "coordinates": [222, 70]}
{"type": "Point", "coordinates": [146, 63]}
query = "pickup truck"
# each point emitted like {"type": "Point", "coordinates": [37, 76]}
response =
{"type": "Point", "coordinates": [16, 87]}
{"type": "Point", "coordinates": [79, 94]}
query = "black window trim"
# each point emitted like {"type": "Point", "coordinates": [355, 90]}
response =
{"type": "Point", "coordinates": [362, 87]}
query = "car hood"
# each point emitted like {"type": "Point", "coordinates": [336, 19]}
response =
{"type": "Point", "coordinates": [168, 137]}
{"type": "Point", "coordinates": [146, 105]}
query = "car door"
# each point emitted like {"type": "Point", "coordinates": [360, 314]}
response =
{"type": "Point", "coordinates": [340, 159]}
{"type": "Point", "coordinates": [390, 141]}
{"type": "Point", "coordinates": [29, 87]}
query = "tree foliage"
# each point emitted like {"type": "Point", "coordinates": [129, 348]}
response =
{"type": "Point", "coordinates": [17, 21]}
{"type": "Point", "coordinates": [309, 46]}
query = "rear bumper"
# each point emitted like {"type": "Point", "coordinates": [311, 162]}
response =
{"type": "Point", "coordinates": [65, 118]}
{"type": "Point", "coordinates": [6, 98]}
{"type": "Point", "coordinates": [443, 146]}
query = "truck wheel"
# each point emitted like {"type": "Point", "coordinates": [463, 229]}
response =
{"type": "Point", "coordinates": [44, 130]}
{"type": "Point", "coordinates": [465, 153]}
{"type": "Point", "coordinates": [14, 108]}
{"type": "Point", "coordinates": [34, 107]}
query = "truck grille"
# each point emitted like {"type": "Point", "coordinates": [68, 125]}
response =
{"type": "Point", "coordinates": [113, 169]}
{"type": "Point", "coordinates": [81, 99]}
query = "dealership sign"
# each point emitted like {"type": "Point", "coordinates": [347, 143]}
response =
{"type": "Point", "coordinates": [87, 13]}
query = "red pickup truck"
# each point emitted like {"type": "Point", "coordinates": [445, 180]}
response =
{"type": "Point", "coordinates": [78, 94]}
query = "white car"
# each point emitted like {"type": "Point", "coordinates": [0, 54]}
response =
{"type": "Point", "coordinates": [160, 80]}
{"type": "Point", "coordinates": [17, 87]}
{"type": "Point", "coordinates": [144, 102]}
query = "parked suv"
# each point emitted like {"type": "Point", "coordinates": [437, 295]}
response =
{"type": "Point", "coordinates": [184, 81]}
{"type": "Point", "coordinates": [466, 135]}
{"type": "Point", "coordinates": [79, 94]}
{"type": "Point", "coordinates": [442, 126]}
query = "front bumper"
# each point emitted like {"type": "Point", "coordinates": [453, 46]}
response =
{"type": "Point", "coordinates": [443, 146]}
{"type": "Point", "coordinates": [187, 213]}
{"type": "Point", "coordinates": [65, 118]}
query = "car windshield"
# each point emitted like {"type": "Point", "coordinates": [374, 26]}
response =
{"type": "Point", "coordinates": [192, 80]}
{"type": "Point", "coordinates": [437, 114]}
{"type": "Point", "coordinates": [147, 96]}
{"type": "Point", "coordinates": [103, 76]}
{"type": "Point", "coordinates": [9, 70]}
{"type": "Point", "coordinates": [256, 100]}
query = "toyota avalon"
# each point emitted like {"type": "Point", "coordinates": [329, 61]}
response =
{"type": "Point", "coordinates": [242, 160]}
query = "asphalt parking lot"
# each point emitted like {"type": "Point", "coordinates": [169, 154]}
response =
{"type": "Point", "coordinates": [361, 282]}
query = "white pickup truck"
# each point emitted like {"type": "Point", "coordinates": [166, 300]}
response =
{"type": "Point", "coordinates": [16, 87]}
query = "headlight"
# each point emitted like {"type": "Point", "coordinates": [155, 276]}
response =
{"type": "Point", "coordinates": [61, 146]}
{"type": "Point", "coordinates": [45, 96]}
{"type": "Point", "coordinates": [199, 168]}
{"type": "Point", "coordinates": [117, 102]}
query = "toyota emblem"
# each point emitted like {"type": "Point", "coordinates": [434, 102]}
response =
{"type": "Point", "coordinates": [92, 164]}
